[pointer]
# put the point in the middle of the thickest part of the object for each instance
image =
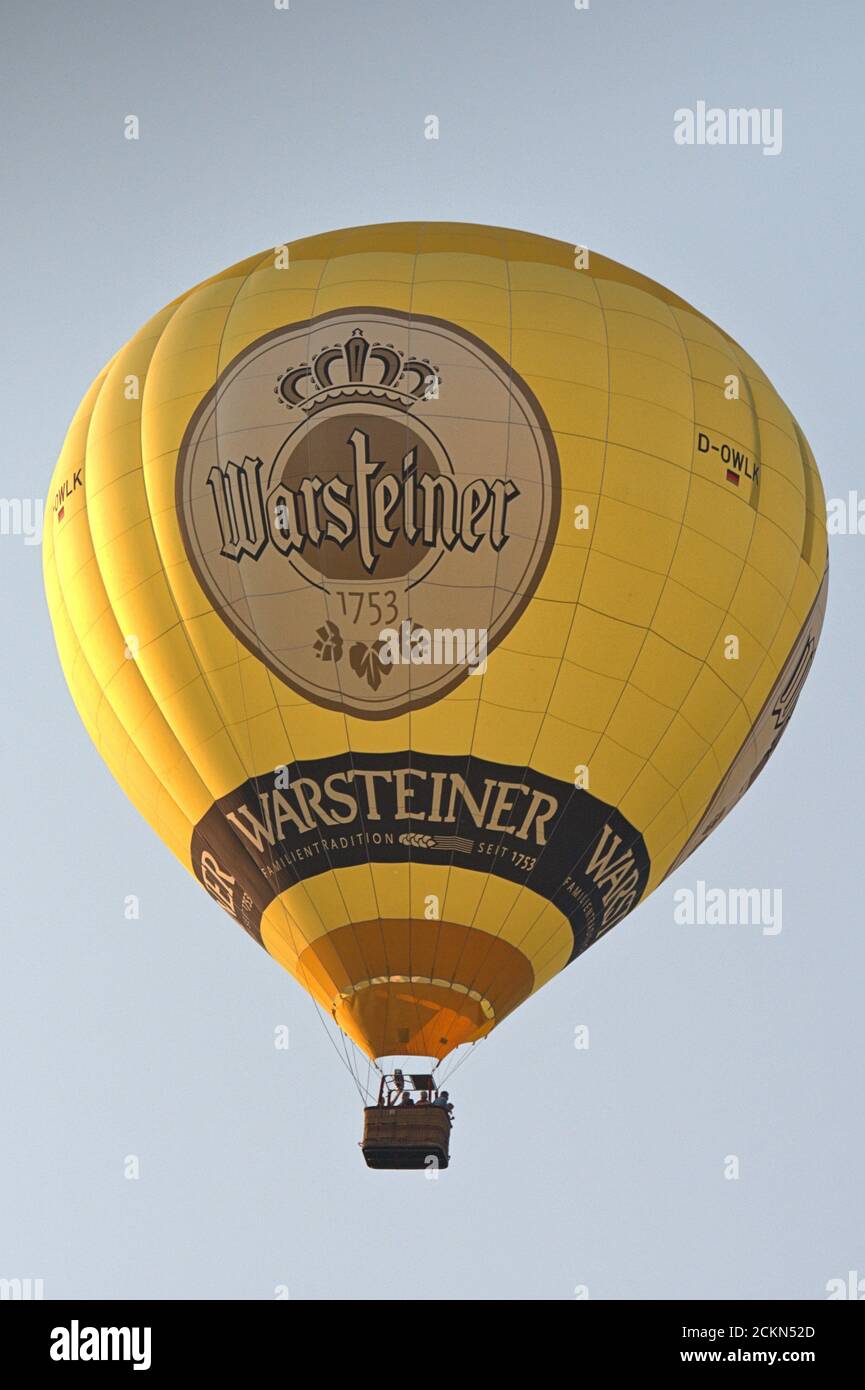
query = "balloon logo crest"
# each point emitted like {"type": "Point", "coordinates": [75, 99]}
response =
{"type": "Point", "coordinates": [361, 477]}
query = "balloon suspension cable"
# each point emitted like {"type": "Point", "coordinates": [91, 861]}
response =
{"type": "Point", "coordinates": [349, 1059]}
{"type": "Point", "coordinates": [455, 1066]}
{"type": "Point", "coordinates": [344, 1056]}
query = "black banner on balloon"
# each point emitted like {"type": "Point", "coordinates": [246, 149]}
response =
{"type": "Point", "coordinates": [358, 808]}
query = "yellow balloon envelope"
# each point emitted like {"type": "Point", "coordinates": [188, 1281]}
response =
{"type": "Point", "coordinates": [433, 596]}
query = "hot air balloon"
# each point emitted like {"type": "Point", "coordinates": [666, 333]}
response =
{"type": "Point", "coordinates": [433, 593]}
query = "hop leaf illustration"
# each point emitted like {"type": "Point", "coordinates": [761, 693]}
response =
{"type": "Point", "coordinates": [365, 660]}
{"type": "Point", "coordinates": [329, 644]}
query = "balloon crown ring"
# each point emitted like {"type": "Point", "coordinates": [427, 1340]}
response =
{"type": "Point", "coordinates": [355, 371]}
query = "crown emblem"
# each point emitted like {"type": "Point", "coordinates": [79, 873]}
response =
{"type": "Point", "coordinates": [358, 370]}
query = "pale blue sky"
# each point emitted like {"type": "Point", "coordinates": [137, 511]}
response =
{"type": "Point", "coordinates": [602, 1168]}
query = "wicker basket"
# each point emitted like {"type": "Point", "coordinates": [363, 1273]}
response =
{"type": "Point", "coordinates": [406, 1136]}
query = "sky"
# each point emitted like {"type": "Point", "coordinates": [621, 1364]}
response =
{"type": "Point", "coordinates": [599, 1172]}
